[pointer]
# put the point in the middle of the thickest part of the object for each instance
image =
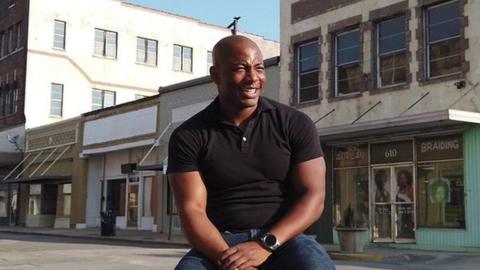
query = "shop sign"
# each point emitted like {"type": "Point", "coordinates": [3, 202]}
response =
{"type": "Point", "coordinates": [438, 148]}
{"type": "Point", "coordinates": [391, 152]}
{"type": "Point", "coordinates": [351, 156]}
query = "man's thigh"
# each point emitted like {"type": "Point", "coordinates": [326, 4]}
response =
{"type": "Point", "coordinates": [194, 260]}
{"type": "Point", "coordinates": [300, 253]}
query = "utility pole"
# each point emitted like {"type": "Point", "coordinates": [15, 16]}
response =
{"type": "Point", "coordinates": [234, 25]}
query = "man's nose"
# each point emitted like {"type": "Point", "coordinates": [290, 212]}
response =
{"type": "Point", "coordinates": [252, 75]}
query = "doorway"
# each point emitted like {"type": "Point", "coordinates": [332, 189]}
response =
{"type": "Point", "coordinates": [393, 204]}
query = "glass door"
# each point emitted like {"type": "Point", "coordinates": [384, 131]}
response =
{"type": "Point", "coordinates": [132, 213]}
{"type": "Point", "coordinates": [393, 204]}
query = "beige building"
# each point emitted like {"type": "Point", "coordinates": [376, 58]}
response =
{"type": "Point", "coordinates": [393, 89]}
{"type": "Point", "coordinates": [60, 59]}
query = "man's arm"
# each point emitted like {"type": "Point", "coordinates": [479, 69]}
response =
{"type": "Point", "coordinates": [308, 180]}
{"type": "Point", "coordinates": [191, 200]}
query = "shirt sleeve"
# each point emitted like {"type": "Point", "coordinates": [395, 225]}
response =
{"type": "Point", "coordinates": [183, 150]}
{"type": "Point", "coordinates": [304, 140]}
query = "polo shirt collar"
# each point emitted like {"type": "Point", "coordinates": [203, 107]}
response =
{"type": "Point", "coordinates": [213, 112]}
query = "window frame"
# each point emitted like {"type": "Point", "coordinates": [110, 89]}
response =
{"type": "Point", "coordinates": [427, 42]}
{"type": "Point", "coordinates": [61, 99]}
{"type": "Point", "coordinates": [105, 43]}
{"type": "Point", "coordinates": [378, 55]}
{"type": "Point", "coordinates": [182, 58]}
{"type": "Point", "coordinates": [146, 57]}
{"type": "Point", "coordinates": [299, 73]}
{"type": "Point", "coordinates": [102, 92]}
{"type": "Point", "coordinates": [64, 34]}
{"type": "Point", "coordinates": [18, 35]}
{"type": "Point", "coordinates": [335, 57]}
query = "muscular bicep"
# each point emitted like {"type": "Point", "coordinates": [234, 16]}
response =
{"type": "Point", "coordinates": [309, 176]}
{"type": "Point", "coordinates": [189, 190]}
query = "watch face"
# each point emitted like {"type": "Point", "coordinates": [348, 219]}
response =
{"type": "Point", "coordinates": [270, 240]}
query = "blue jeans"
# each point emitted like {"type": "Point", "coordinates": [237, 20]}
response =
{"type": "Point", "coordinates": [300, 253]}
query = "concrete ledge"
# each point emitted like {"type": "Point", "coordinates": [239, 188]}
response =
{"type": "Point", "coordinates": [356, 257]}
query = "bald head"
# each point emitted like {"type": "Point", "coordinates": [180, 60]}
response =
{"type": "Point", "coordinates": [227, 46]}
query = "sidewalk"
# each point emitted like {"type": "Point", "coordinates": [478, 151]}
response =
{"type": "Point", "coordinates": [132, 236]}
{"type": "Point", "coordinates": [371, 253]}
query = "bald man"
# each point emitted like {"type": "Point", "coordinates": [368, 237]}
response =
{"type": "Point", "coordinates": [248, 173]}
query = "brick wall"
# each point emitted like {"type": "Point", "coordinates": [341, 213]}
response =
{"type": "Point", "coordinates": [13, 66]}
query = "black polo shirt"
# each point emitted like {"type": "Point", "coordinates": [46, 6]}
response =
{"type": "Point", "coordinates": [246, 172]}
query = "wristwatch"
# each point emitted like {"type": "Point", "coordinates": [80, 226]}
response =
{"type": "Point", "coordinates": [269, 241]}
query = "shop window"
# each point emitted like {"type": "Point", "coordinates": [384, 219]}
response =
{"type": "Point", "coordinates": [441, 195]}
{"type": "Point", "coordinates": [147, 197]}
{"type": "Point", "coordinates": [348, 69]}
{"type": "Point", "coordinates": [307, 71]}
{"type": "Point", "coordinates": [443, 39]}
{"type": "Point", "coordinates": [34, 201]}
{"type": "Point", "coordinates": [440, 182]}
{"type": "Point", "coordinates": [3, 203]}
{"type": "Point", "coordinates": [391, 52]}
{"type": "Point", "coordinates": [351, 184]}
{"type": "Point", "coordinates": [65, 200]}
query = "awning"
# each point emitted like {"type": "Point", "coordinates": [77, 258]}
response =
{"type": "Point", "coordinates": [58, 179]}
{"type": "Point", "coordinates": [16, 175]}
{"type": "Point", "coordinates": [410, 123]}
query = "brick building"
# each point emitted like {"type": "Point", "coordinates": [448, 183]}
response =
{"type": "Point", "coordinates": [393, 89]}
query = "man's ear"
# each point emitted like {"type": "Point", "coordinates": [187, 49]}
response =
{"type": "Point", "coordinates": [214, 75]}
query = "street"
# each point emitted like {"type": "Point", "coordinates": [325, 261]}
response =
{"type": "Point", "coordinates": [23, 251]}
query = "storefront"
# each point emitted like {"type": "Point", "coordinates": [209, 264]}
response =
{"type": "Point", "coordinates": [114, 155]}
{"type": "Point", "coordinates": [41, 184]}
{"type": "Point", "coordinates": [418, 190]}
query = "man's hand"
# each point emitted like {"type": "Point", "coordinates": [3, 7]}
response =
{"type": "Point", "coordinates": [248, 255]}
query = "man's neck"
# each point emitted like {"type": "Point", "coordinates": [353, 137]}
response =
{"type": "Point", "coordinates": [237, 117]}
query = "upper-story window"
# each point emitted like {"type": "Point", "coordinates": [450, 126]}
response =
{"type": "Point", "coordinates": [8, 100]}
{"type": "Point", "coordinates": [138, 96]}
{"type": "Point", "coordinates": [102, 99]}
{"type": "Point", "coordinates": [307, 71]}
{"type": "Point", "coordinates": [56, 100]}
{"type": "Point", "coordinates": [19, 36]}
{"type": "Point", "coordinates": [59, 30]}
{"type": "Point", "coordinates": [3, 44]}
{"type": "Point", "coordinates": [391, 52]}
{"type": "Point", "coordinates": [443, 39]}
{"type": "Point", "coordinates": [105, 43]}
{"type": "Point", "coordinates": [182, 58]}
{"type": "Point", "coordinates": [11, 40]}
{"type": "Point", "coordinates": [209, 60]}
{"type": "Point", "coordinates": [147, 51]}
{"type": "Point", "coordinates": [348, 70]}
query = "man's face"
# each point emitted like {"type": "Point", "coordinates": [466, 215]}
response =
{"type": "Point", "coordinates": [240, 76]}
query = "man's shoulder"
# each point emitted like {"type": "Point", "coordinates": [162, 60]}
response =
{"type": "Point", "coordinates": [192, 125]}
{"type": "Point", "coordinates": [287, 112]}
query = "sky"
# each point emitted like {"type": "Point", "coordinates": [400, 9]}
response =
{"type": "Point", "coordinates": [260, 17]}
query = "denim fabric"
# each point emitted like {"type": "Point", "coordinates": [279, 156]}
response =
{"type": "Point", "coordinates": [300, 253]}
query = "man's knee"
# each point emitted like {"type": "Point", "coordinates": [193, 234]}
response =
{"type": "Point", "coordinates": [303, 253]}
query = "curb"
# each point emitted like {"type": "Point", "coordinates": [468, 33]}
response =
{"type": "Point", "coordinates": [340, 256]}
{"type": "Point", "coordinates": [101, 238]}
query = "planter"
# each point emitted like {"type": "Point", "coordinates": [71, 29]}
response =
{"type": "Point", "coordinates": [352, 240]}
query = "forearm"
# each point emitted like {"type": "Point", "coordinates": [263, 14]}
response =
{"type": "Point", "coordinates": [202, 234]}
{"type": "Point", "coordinates": [303, 213]}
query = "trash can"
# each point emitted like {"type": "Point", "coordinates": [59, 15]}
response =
{"type": "Point", "coordinates": [107, 224]}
